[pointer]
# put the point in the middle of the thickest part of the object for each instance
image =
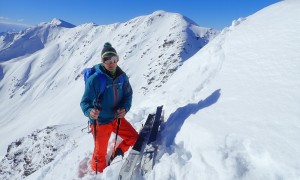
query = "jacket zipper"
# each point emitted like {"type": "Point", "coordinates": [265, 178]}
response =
{"type": "Point", "coordinates": [115, 92]}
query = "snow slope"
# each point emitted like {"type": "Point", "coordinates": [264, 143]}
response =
{"type": "Point", "coordinates": [40, 70]}
{"type": "Point", "coordinates": [231, 110]}
{"type": "Point", "coordinates": [239, 103]}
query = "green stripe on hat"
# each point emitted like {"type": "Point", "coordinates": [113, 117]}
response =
{"type": "Point", "coordinates": [109, 52]}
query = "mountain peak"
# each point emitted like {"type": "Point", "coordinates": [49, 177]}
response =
{"type": "Point", "coordinates": [159, 12]}
{"type": "Point", "coordinates": [61, 23]}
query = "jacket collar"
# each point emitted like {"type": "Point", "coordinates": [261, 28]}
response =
{"type": "Point", "coordinates": [101, 69]}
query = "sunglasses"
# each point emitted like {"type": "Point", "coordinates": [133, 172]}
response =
{"type": "Point", "coordinates": [108, 59]}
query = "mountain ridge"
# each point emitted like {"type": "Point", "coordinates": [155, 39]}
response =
{"type": "Point", "coordinates": [231, 110]}
{"type": "Point", "coordinates": [43, 61]}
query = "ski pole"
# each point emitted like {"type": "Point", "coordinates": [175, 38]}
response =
{"type": "Point", "coordinates": [114, 151]}
{"type": "Point", "coordinates": [96, 106]}
{"type": "Point", "coordinates": [95, 132]}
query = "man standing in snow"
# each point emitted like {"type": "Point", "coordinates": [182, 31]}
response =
{"type": "Point", "coordinates": [107, 108]}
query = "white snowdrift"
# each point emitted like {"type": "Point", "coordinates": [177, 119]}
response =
{"type": "Point", "coordinates": [239, 99]}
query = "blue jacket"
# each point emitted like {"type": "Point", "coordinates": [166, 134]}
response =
{"type": "Point", "coordinates": [116, 95]}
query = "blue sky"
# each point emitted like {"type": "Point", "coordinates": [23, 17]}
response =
{"type": "Point", "coordinates": [207, 13]}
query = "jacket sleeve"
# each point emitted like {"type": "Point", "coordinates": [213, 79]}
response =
{"type": "Point", "coordinates": [127, 95]}
{"type": "Point", "coordinates": [88, 97]}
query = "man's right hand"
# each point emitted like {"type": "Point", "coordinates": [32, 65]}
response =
{"type": "Point", "coordinates": [94, 113]}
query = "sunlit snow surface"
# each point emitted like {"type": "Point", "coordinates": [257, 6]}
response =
{"type": "Point", "coordinates": [231, 110]}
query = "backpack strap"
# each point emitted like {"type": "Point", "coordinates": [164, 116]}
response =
{"type": "Point", "coordinates": [122, 77]}
{"type": "Point", "coordinates": [90, 71]}
{"type": "Point", "coordinates": [102, 80]}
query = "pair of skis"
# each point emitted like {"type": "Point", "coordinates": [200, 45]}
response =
{"type": "Point", "coordinates": [141, 157]}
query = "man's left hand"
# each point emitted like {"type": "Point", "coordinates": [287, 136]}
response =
{"type": "Point", "coordinates": [121, 113]}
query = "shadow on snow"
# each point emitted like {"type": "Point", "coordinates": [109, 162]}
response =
{"type": "Point", "coordinates": [174, 123]}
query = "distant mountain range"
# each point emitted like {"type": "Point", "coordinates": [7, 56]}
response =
{"type": "Point", "coordinates": [159, 43]}
{"type": "Point", "coordinates": [12, 27]}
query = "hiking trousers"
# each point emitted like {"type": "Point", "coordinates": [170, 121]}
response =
{"type": "Point", "coordinates": [103, 133]}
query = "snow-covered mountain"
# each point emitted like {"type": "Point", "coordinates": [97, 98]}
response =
{"type": "Point", "coordinates": [158, 43]}
{"type": "Point", "coordinates": [231, 109]}
{"type": "Point", "coordinates": [27, 42]}
{"type": "Point", "coordinates": [6, 27]}
{"type": "Point", "coordinates": [42, 65]}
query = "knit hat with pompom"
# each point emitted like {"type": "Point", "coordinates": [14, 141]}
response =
{"type": "Point", "coordinates": [108, 50]}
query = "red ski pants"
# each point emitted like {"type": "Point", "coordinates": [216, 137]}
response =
{"type": "Point", "coordinates": [103, 133]}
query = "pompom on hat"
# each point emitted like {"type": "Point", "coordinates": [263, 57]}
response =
{"type": "Point", "coordinates": [108, 50]}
